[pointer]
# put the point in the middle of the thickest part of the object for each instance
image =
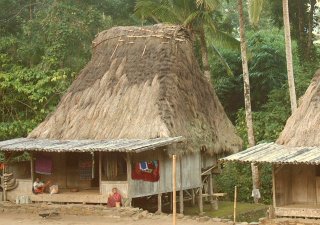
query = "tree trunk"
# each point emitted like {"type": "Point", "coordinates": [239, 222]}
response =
{"type": "Point", "coordinates": [204, 53]}
{"type": "Point", "coordinates": [292, 90]}
{"type": "Point", "coordinates": [247, 100]}
{"type": "Point", "coordinates": [310, 28]}
{"type": "Point", "coordinates": [300, 7]}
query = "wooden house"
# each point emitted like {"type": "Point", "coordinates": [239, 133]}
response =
{"type": "Point", "coordinates": [295, 159]}
{"type": "Point", "coordinates": [140, 99]}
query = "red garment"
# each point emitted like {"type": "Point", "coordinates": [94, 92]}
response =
{"type": "Point", "coordinates": [116, 197]}
{"type": "Point", "coordinates": [151, 175]}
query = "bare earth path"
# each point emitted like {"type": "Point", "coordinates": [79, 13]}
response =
{"type": "Point", "coordinates": [32, 219]}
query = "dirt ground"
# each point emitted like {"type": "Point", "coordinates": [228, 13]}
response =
{"type": "Point", "coordinates": [32, 219]}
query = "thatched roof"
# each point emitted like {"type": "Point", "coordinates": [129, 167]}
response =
{"type": "Point", "coordinates": [303, 126]}
{"type": "Point", "coordinates": [142, 82]}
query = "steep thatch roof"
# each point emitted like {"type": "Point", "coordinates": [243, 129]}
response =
{"type": "Point", "coordinates": [142, 82]}
{"type": "Point", "coordinates": [303, 126]}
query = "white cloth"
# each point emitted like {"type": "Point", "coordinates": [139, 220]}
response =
{"type": "Point", "coordinates": [256, 193]}
{"type": "Point", "coordinates": [37, 185]}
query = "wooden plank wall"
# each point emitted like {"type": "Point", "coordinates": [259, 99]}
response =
{"type": "Point", "coordinates": [190, 173]}
{"type": "Point", "coordinates": [297, 184]}
{"type": "Point", "coordinates": [283, 185]}
{"type": "Point", "coordinates": [303, 184]}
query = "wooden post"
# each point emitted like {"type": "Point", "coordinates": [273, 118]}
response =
{"type": "Point", "coordinates": [181, 187]}
{"type": "Point", "coordinates": [159, 203]}
{"type": "Point", "coordinates": [4, 185]}
{"type": "Point", "coordinates": [32, 167]}
{"type": "Point", "coordinates": [235, 205]}
{"type": "Point", "coordinates": [129, 168]}
{"type": "Point", "coordinates": [200, 201]}
{"type": "Point", "coordinates": [159, 185]}
{"type": "Point", "coordinates": [193, 202]}
{"type": "Point", "coordinates": [100, 172]}
{"type": "Point", "coordinates": [174, 200]}
{"type": "Point", "coordinates": [273, 187]}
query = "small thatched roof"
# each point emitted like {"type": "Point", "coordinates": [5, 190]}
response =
{"type": "Point", "coordinates": [303, 126]}
{"type": "Point", "coordinates": [142, 83]}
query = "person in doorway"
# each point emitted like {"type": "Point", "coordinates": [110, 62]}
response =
{"type": "Point", "coordinates": [114, 199]}
{"type": "Point", "coordinates": [39, 187]}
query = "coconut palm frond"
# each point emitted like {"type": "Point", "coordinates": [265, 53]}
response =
{"type": "Point", "coordinates": [160, 11]}
{"type": "Point", "coordinates": [209, 5]}
{"type": "Point", "coordinates": [191, 18]}
{"type": "Point", "coordinates": [255, 9]}
{"type": "Point", "coordinates": [216, 52]}
{"type": "Point", "coordinates": [223, 40]}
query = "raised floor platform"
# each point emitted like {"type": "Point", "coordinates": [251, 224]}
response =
{"type": "Point", "coordinates": [299, 210]}
{"type": "Point", "coordinates": [83, 196]}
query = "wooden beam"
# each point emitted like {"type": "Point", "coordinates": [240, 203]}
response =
{"type": "Point", "coordinates": [181, 187]}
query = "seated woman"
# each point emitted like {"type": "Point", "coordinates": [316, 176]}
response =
{"type": "Point", "coordinates": [114, 198]}
{"type": "Point", "coordinates": [39, 187]}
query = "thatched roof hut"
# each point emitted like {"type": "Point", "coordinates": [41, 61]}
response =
{"type": "Point", "coordinates": [303, 126]}
{"type": "Point", "coordinates": [295, 159]}
{"type": "Point", "coordinates": [142, 82]}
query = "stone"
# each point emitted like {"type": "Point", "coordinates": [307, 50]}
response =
{"type": "Point", "coordinates": [180, 216]}
{"type": "Point", "coordinates": [216, 219]}
{"type": "Point", "coordinates": [203, 219]}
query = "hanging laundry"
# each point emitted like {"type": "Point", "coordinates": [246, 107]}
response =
{"type": "Point", "coordinates": [43, 165]}
{"type": "Point", "coordinates": [146, 171]}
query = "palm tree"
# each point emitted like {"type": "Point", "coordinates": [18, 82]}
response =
{"type": "Point", "coordinates": [292, 90]}
{"type": "Point", "coordinates": [195, 15]}
{"type": "Point", "coordinates": [247, 98]}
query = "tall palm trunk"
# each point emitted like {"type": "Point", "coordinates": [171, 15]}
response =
{"type": "Point", "coordinates": [247, 100]}
{"type": "Point", "coordinates": [204, 53]}
{"type": "Point", "coordinates": [292, 90]}
{"type": "Point", "coordinates": [310, 28]}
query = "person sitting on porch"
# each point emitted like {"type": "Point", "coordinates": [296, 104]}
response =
{"type": "Point", "coordinates": [114, 199]}
{"type": "Point", "coordinates": [39, 187]}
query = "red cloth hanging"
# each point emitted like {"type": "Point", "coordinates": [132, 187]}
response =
{"type": "Point", "coordinates": [146, 171]}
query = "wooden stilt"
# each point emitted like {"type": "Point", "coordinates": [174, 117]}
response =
{"type": "Point", "coordinates": [159, 203]}
{"type": "Point", "coordinates": [181, 188]}
{"type": "Point", "coordinates": [193, 200]}
{"type": "Point", "coordinates": [213, 200]}
{"type": "Point", "coordinates": [200, 201]}
{"type": "Point", "coordinates": [174, 197]}
{"type": "Point", "coordinates": [171, 202]}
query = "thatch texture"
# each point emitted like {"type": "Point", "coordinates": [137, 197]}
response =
{"type": "Point", "coordinates": [303, 126]}
{"type": "Point", "coordinates": [142, 83]}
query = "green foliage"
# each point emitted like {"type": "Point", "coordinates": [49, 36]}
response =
{"type": "Point", "coordinates": [46, 44]}
{"type": "Point", "coordinates": [270, 99]}
{"type": "Point", "coordinates": [235, 174]}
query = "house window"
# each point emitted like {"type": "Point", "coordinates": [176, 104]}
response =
{"type": "Point", "coordinates": [114, 167]}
